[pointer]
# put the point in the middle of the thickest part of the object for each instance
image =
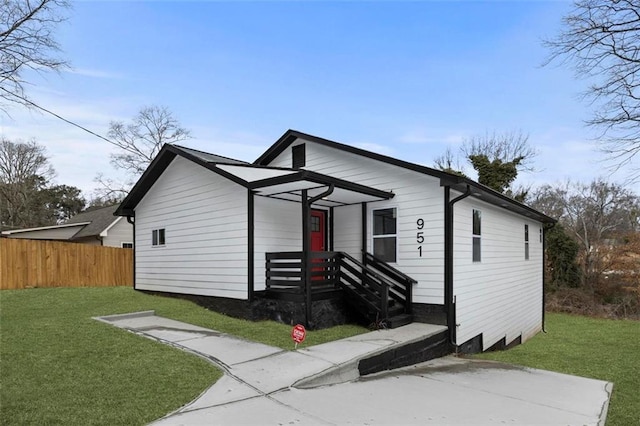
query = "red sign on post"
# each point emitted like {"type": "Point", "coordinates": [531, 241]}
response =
{"type": "Point", "coordinates": [298, 334]}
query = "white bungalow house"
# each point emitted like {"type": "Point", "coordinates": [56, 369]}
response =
{"type": "Point", "coordinates": [314, 220]}
{"type": "Point", "coordinates": [95, 226]}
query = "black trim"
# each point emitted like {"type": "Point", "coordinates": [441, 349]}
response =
{"type": "Point", "coordinates": [449, 301]}
{"type": "Point", "coordinates": [131, 220]}
{"type": "Point", "coordinates": [331, 234]}
{"type": "Point", "coordinates": [544, 274]}
{"type": "Point", "coordinates": [363, 238]}
{"type": "Point", "coordinates": [307, 175]}
{"type": "Point", "coordinates": [156, 168]}
{"type": "Point", "coordinates": [306, 257]}
{"type": "Point", "coordinates": [250, 245]}
{"type": "Point", "coordinates": [291, 136]}
{"type": "Point", "coordinates": [446, 179]}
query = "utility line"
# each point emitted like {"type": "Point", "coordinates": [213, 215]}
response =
{"type": "Point", "coordinates": [58, 116]}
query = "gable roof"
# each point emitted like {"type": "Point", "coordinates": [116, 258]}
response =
{"type": "Point", "coordinates": [215, 164]}
{"type": "Point", "coordinates": [273, 182]}
{"type": "Point", "coordinates": [99, 219]}
{"type": "Point", "coordinates": [456, 182]}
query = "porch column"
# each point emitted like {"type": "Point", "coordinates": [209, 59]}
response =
{"type": "Point", "coordinates": [306, 256]}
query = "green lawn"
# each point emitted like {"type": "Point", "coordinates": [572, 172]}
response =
{"type": "Point", "coordinates": [59, 366]}
{"type": "Point", "coordinates": [597, 348]}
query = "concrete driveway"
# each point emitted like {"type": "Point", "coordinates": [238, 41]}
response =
{"type": "Point", "coordinates": [320, 385]}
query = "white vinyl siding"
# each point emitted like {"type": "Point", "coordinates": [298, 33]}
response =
{"type": "Point", "coordinates": [277, 227]}
{"type": "Point", "coordinates": [502, 295]}
{"type": "Point", "coordinates": [120, 232]}
{"type": "Point", "coordinates": [417, 196]}
{"type": "Point", "coordinates": [205, 219]}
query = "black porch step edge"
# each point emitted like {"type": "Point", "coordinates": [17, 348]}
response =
{"type": "Point", "coordinates": [435, 346]}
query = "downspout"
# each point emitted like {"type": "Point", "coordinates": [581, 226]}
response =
{"type": "Point", "coordinates": [135, 247]}
{"type": "Point", "coordinates": [448, 260]}
{"type": "Point", "coordinates": [544, 273]}
{"type": "Point", "coordinates": [306, 247]}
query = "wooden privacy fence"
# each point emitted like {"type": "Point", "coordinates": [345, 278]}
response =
{"type": "Point", "coordinates": [37, 263]}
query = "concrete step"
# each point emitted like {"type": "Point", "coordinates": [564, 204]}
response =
{"type": "Point", "coordinates": [399, 320]}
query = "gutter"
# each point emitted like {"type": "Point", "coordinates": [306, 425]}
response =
{"type": "Point", "coordinates": [448, 259]}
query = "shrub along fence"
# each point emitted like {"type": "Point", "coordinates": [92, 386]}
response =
{"type": "Point", "coordinates": [36, 263]}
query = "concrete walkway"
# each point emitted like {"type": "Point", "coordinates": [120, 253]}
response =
{"type": "Point", "coordinates": [268, 385]}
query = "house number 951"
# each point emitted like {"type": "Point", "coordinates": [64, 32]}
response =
{"type": "Point", "coordinates": [420, 234]}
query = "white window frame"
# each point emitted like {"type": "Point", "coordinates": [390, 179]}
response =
{"type": "Point", "coordinates": [475, 236]}
{"type": "Point", "coordinates": [155, 237]}
{"type": "Point", "coordinates": [396, 235]}
{"type": "Point", "coordinates": [122, 243]}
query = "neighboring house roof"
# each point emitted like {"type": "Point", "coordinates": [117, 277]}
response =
{"type": "Point", "coordinates": [90, 223]}
{"type": "Point", "coordinates": [214, 162]}
{"type": "Point", "coordinates": [99, 220]}
{"type": "Point", "coordinates": [45, 228]}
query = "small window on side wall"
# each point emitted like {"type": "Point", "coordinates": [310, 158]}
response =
{"type": "Point", "coordinates": [127, 245]}
{"type": "Point", "coordinates": [385, 234]}
{"type": "Point", "coordinates": [477, 235]}
{"type": "Point", "coordinates": [157, 237]}
{"type": "Point", "coordinates": [298, 156]}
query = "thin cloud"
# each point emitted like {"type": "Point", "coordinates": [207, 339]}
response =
{"type": "Point", "coordinates": [93, 73]}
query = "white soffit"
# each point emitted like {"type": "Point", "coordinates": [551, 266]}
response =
{"type": "Point", "coordinates": [252, 174]}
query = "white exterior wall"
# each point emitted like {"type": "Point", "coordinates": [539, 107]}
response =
{"type": "Point", "coordinates": [500, 296]}
{"type": "Point", "coordinates": [277, 227]}
{"type": "Point", "coordinates": [416, 196]}
{"type": "Point", "coordinates": [205, 220]}
{"type": "Point", "coordinates": [121, 232]}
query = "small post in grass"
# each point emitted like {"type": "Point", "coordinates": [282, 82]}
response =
{"type": "Point", "coordinates": [298, 334]}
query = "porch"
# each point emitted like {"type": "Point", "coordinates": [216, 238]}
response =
{"type": "Point", "coordinates": [380, 293]}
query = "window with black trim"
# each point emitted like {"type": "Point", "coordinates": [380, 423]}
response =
{"type": "Point", "coordinates": [157, 237]}
{"type": "Point", "coordinates": [298, 156]}
{"type": "Point", "coordinates": [477, 235]}
{"type": "Point", "coordinates": [385, 235]}
{"type": "Point", "coordinates": [127, 245]}
{"type": "Point", "coordinates": [526, 242]}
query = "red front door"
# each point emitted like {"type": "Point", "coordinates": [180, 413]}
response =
{"type": "Point", "coordinates": [318, 238]}
{"type": "Point", "coordinates": [318, 230]}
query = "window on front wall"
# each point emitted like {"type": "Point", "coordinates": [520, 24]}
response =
{"type": "Point", "coordinates": [526, 242]}
{"type": "Point", "coordinates": [385, 236]}
{"type": "Point", "coordinates": [477, 235]}
{"type": "Point", "coordinates": [157, 237]}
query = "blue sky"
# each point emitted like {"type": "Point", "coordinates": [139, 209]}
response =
{"type": "Point", "coordinates": [406, 79]}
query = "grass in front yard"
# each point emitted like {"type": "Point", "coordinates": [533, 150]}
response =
{"type": "Point", "coordinates": [59, 366]}
{"type": "Point", "coordinates": [597, 348]}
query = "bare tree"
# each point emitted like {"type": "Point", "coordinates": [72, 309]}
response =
{"type": "Point", "coordinates": [449, 162]}
{"type": "Point", "coordinates": [27, 42]}
{"type": "Point", "coordinates": [26, 196]}
{"type": "Point", "coordinates": [592, 213]}
{"type": "Point", "coordinates": [600, 40]}
{"type": "Point", "coordinates": [139, 142]}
